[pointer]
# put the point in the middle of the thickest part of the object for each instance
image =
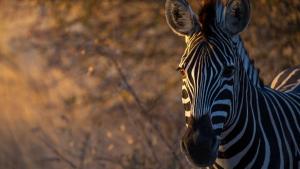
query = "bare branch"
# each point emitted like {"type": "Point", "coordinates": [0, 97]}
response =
{"type": "Point", "coordinates": [84, 150]}
{"type": "Point", "coordinates": [143, 111]}
{"type": "Point", "coordinates": [111, 160]}
{"type": "Point", "coordinates": [51, 147]}
{"type": "Point", "coordinates": [144, 134]}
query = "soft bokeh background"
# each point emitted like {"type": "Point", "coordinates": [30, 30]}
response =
{"type": "Point", "coordinates": [92, 84]}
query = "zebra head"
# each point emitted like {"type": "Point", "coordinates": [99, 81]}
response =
{"type": "Point", "coordinates": [209, 67]}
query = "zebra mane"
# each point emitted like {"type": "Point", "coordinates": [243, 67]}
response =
{"type": "Point", "coordinates": [249, 65]}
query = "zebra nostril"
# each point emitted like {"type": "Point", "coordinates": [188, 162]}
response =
{"type": "Point", "coordinates": [196, 138]}
{"type": "Point", "coordinates": [182, 146]}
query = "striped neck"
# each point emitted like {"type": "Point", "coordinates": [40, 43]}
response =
{"type": "Point", "coordinates": [248, 64]}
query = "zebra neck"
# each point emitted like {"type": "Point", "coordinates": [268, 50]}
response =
{"type": "Point", "coordinates": [243, 134]}
{"type": "Point", "coordinates": [248, 64]}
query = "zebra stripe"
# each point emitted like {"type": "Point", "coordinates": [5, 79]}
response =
{"type": "Point", "coordinates": [262, 131]}
{"type": "Point", "coordinates": [233, 119]}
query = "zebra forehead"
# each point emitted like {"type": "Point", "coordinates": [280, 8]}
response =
{"type": "Point", "coordinates": [207, 50]}
{"type": "Point", "coordinates": [200, 56]}
{"type": "Point", "coordinates": [206, 3]}
{"type": "Point", "coordinates": [208, 8]}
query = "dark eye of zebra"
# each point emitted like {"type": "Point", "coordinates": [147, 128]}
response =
{"type": "Point", "coordinates": [181, 71]}
{"type": "Point", "coordinates": [228, 71]}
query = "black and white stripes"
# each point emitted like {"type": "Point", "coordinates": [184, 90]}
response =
{"type": "Point", "coordinates": [257, 126]}
{"type": "Point", "coordinates": [233, 120]}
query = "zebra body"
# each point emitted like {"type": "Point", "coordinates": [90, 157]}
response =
{"type": "Point", "coordinates": [288, 80]}
{"type": "Point", "coordinates": [233, 119]}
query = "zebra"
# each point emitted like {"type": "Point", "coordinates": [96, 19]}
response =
{"type": "Point", "coordinates": [233, 120]}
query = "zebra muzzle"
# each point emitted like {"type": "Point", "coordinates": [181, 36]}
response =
{"type": "Point", "coordinates": [200, 143]}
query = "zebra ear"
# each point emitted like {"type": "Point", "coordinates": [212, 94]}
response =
{"type": "Point", "coordinates": [237, 16]}
{"type": "Point", "coordinates": [180, 17]}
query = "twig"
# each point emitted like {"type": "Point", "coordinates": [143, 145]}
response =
{"type": "Point", "coordinates": [111, 160]}
{"type": "Point", "coordinates": [84, 150]}
{"type": "Point", "coordinates": [144, 134]}
{"type": "Point", "coordinates": [56, 152]}
{"type": "Point", "coordinates": [143, 110]}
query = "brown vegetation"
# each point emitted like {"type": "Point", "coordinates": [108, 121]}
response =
{"type": "Point", "coordinates": [92, 84]}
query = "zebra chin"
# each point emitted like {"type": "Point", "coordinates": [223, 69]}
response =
{"type": "Point", "coordinates": [201, 156]}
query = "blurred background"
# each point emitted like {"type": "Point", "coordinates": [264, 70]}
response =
{"type": "Point", "coordinates": [92, 84]}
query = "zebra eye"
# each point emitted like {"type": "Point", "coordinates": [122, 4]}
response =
{"type": "Point", "coordinates": [181, 71]}
{"type": "Point", "coordinates": [228, 71]}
